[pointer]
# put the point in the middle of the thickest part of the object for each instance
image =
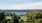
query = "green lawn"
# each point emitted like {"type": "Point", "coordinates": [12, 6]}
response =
{"type": "Point", "coordinates": [8, 17]}
{"type": "Point", "coordinates": [23, 17]}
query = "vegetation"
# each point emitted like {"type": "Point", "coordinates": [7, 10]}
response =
{"type": "Point", "coordinates": [31, 17]}
{"type": "Point", "coordinates": [2, 16]}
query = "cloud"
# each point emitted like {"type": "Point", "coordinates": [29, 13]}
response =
{"type": "Point", "coordinates": [34, 5]}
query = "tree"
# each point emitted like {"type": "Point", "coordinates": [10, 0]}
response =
{"type": "Point", "coordinates": [6, 21]}
{"type": "Point", "coordinates": [15, 19]}
{"type": "Point", "coordinates": [2, 16]}
{"type": "Point", "coordinates": [34, 16]}
{"type": "Point", "coordinates": [19, 17]}
{"type": "Point", "coordinates": [21, 21]}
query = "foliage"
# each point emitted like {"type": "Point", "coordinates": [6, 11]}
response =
{"type": "Point", "coordinates": [2, 16]}
{"type": "Point", "coordinates": [15, 18]}
{"type": "Point", "coordinates": [34, 16]}
{"type": "Point", "coordinates": [11, 17]}
{"type": "Point", "coordinates": [19, 17]}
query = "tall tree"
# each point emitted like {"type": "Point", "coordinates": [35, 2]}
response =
{"type": "Point", "coordinates": [2, 16]}
{"type": "Point", "coordinates": [15, 19]}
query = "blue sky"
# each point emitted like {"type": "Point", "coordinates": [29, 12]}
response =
{"type": "Point", "coordinates": [20, 4]}
{"type": "Point", "coordinates": [17, 1]}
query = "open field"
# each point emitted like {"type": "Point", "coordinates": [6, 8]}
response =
{"type": "Point", "coordinates": [23, 17]}
{"type": "Point", "coordinates": [8, 17]}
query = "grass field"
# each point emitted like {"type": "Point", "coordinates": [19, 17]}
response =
{"type": "Point", "coordinates": [8, 17]}
{"type": "Point", "coordinates": [23, 18]}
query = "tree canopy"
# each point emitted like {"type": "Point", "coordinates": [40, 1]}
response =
{"type": "Point", "coordinates": [2, 16]}
{"type": "Point", "coordinates": [34, 16]}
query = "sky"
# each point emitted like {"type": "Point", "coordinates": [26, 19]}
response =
{"type": "Point", "coordinates": [20, 4]}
